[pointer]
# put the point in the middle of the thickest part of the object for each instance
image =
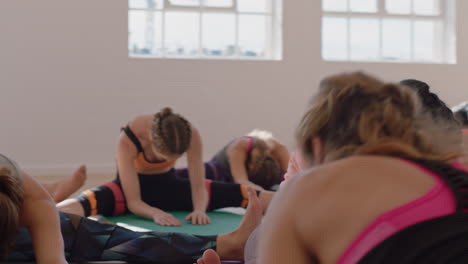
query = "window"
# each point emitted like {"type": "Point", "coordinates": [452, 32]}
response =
{"type": "Point", "coordinates": [228, 29]}
{"type": "Point", "coordinates": [389, 30]}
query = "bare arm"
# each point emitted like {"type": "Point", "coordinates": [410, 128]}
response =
{"type": "Point", "coordinates": [126, 154]}
{"type": "Point", "coordinates": [40, 216]}
{"type": "Point", "coordinates": [237, 158]}
{"type": "Point", "coordinates": [281, 241]}
{"type": "Point", "coordinates": [196, 170]}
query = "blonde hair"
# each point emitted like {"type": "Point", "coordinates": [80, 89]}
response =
{"type": "Point", "coordinates": [356, 114]}
{"type": "Point", "coordinates": [11, 201]}
{"type": "Point", "coordinates": [172, 134]}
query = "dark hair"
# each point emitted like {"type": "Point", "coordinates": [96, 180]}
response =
{"type": "Point", "coordinates": [172, 134]}
{"type": "Point", "coordinates": [11, 201]}
{"type": "Point", "coordinates": [461, 113]}
{"type": "Point", "coordinates": [431, 103]}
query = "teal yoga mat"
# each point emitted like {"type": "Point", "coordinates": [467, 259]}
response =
{"type": "Point", "coordinates": [221, 222]}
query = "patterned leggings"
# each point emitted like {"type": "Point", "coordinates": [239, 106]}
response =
{"type": "Point", "coordinates": [89, 240]}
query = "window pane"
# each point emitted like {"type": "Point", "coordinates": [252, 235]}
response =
{"type": "Point", "coordinates": [426, 7]}
{"type": "Point", "coordinates": [185, 2]}
{"type": "Point", "coordinates": [334, 38]}
{"type": "Point", "coordinates": [254, 5]}
{"type": "Point", "coordinates": [364, 44]}
{"type": "Point", "coordinates": [398, 6]}
{"type": "Point", "coordinates": [218, 3]}
{"type": "Point", "coordinates": [396, 39]}
{"type": "Point", "coordinates": [334, 5]}
{"type": "Point", "coordinates": [253, 32]}
{"type": "Point", "coordinates": [424, 40]}
{"type": "Point", "coordinates": [181, 33]}
{"type": "Point", "coordinates": [368, 6]}
{"type": "Point", "coordinates": [157, 4]}
{"type": "Point", "coordinates": [218, 34]}
{"type": "Point", "coordinates": [144, 34]}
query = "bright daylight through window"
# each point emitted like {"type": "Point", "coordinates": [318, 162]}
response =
{"type": "Point", "coordinates": [421, 31]}
{"type": "Point", "coordinates": [225, 29]}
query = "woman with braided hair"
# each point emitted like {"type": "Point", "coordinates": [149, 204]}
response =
{"type": "Point", "coordinates": [146, 184]}
{"type": "Point", "coordinates": [257, 159]}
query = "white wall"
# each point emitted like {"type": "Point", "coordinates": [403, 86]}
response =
{"type": "Point", "coordinates": [67, 84]}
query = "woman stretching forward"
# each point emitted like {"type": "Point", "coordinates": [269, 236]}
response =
{"type": "Point", "coordinates": [146, 184]}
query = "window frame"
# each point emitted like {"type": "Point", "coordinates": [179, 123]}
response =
{"type": "Point", "coordinates": [446, 18]}
{"type": "Point", "coordinates": [273, 39]}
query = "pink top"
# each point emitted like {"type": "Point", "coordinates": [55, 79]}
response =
{"type": "Point", "coordinates": [438, 201]}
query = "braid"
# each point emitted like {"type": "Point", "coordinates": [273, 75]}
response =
{"type": "Point", "coordinates": [171, 132]}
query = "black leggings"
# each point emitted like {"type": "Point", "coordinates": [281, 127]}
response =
{"type": "Point", "coordinates": [88, 240]}
{"type": "Point", "coordinates": [164, 191]}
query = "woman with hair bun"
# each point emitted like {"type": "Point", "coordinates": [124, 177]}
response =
{"type": "Point", "coordinates": [146, 185]}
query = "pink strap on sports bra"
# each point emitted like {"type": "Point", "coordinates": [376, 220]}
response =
{"type": "Point", "coordinates": [249, 145]}
{"type": "Point", "coordinates": [436, 202]}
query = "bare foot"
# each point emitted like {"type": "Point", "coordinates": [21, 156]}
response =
{"type": "Point", "coordinates": [230, 246]}
{"type": "Point", "coordinates": [71, 184]}
{"type": "Point", "coordinates": [209, 257]}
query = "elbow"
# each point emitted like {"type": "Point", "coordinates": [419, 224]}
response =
{"type": "Point", "coordinates": [132, 206]}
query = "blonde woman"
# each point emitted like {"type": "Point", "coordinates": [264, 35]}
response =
{"type": "Point", "coordinates": [374, 171]}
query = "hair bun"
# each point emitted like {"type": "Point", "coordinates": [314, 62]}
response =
{"type": "Point", "coordinates": [165, 112]}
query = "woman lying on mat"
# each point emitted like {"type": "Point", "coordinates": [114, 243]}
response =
{"type": "Point", "coordinates": [375, 172]}
{"type": "Point", "coordinates": [257, 159]}
{"type": "Point", "coordinates": [25, 202]}
{"type": "Point", "coordinates": [49, 237]}
{"type": "Point", "coordinates": [146, 184]}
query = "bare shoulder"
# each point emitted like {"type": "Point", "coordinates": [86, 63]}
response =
{"type": "Point", "coordinates": [33, 190]}
{"type": "Point", "coordinates": [353, 191]}
{"type": "Point", "coordinates": [195, 132]}
{"type": "Point", "coordinates": [239, 144]}
{"type": "Point", "coordinates": [358, 173]}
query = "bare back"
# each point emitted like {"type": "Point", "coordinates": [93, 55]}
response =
{"type": "Point", "coordinates": [323, 210]}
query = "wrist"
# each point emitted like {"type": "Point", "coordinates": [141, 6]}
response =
{"type": "Point", "coordinates": [246, 181]}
